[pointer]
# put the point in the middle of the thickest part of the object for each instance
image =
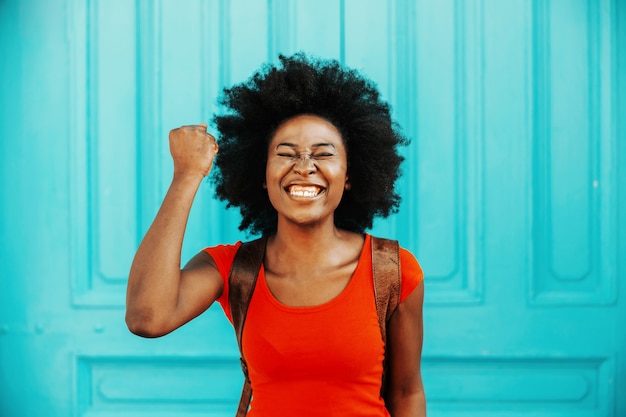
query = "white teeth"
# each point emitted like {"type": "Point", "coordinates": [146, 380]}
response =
{"type": "Point", "coordinates": [303, 194]}
{"type": "Point", "coordinates": [303, 191]}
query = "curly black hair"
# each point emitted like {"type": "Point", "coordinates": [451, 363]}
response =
{"type": "Point", "coordinates": [305, 85]}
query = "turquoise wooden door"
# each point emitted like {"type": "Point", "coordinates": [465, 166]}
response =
{"type": "Point", "coordinates": [513, 193]}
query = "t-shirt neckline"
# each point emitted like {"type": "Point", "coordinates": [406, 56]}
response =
{"type": "Point", "coordinates": [267, 293]}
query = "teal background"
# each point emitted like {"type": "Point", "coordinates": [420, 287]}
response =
{"type": "Point", "coordinates": [514, 193]}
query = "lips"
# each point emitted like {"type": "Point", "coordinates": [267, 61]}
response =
{"type": "Point", "coordinates": [304, 191]}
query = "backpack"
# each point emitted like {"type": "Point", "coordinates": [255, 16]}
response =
{"type": "Point", "coordinates": [243, 276]}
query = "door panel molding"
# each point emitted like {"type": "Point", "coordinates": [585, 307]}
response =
{"type": "Point", "coordinates": [574, 171]}
{"type": "Point", "coordinates": [545, 386]}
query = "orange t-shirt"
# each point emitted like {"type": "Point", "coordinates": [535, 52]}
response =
{"type": "Point", "coordinates": [324, 360]}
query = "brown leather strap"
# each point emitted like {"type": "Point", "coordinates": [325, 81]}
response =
{"type": "Point", "coordinates": [241, 282]}
{"type": "Point", "coordinates": [387, 281]}
{"type": "Point", "coordinates": [244, 401]}
{"type": "Point", "coordinates": [386, 271]}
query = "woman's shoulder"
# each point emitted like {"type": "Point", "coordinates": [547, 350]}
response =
{"type": "Point", "coordinates": [411, 272]}
{"type": "Point", "coordinates": [408, 260]}
{"type": "Point", "coordinates": [223, 255]}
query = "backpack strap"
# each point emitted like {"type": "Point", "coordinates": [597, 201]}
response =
{"type": "Point", "coordinates": [387, 281]}
{"type": "Point", "coordinates": [241, 282]}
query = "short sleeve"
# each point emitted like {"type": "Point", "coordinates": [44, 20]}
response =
{"type": "Point", "coordinates": [412, 274]}
{"type": "Point", "coordinates": [223, 256]}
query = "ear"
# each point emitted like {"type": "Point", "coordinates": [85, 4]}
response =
{"type": "Point", "coordinates": [347, 185]}
{"type": "Point", "coordinates": [264, 185]}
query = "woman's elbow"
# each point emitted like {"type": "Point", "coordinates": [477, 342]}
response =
{"type": "Point", "coordinates": [143, 324]}
{"type": "Point", "coordinates": [407, 401]}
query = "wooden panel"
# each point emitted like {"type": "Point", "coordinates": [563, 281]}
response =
{"type": "Point", "coordinates": [521, 386]}
{"type": "Point", "coordinates": [103, 146]}
{"type": "Point", "coordinates": [574, 173]}
{"type": "Point", "coordinates": [369, 36]}
{"type": "Point", "coordinates": [440, 218]}
{"type": "Point", "coordinates": [156, 385]}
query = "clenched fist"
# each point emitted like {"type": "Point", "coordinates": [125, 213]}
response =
{"type": "Point", "coordinates": [193, 150]}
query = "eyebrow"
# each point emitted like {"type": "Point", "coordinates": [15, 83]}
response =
{"type": "Point", "coordinates": [315, 145]}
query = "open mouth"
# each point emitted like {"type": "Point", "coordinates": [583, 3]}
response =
{"type": "Point", "coordinates": [304, 191]}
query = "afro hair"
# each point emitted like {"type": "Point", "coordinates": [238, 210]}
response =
{"type": "Point", "coordinates": [299, 85]}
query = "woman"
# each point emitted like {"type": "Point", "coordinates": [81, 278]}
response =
{"type": "Point", "coordinates": [308, 152]}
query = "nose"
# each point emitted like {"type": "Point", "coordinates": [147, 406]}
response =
{"type": "Point", "coordinates": [304, 165]}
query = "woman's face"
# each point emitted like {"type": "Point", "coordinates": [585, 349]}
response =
{"type": "Point", "coordinates": [306, 172]}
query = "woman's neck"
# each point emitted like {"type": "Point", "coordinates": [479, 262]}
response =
{"type": "Point", "coordinates": [311, 247]}
{"type": "Point", "coordinates": [318, 234]}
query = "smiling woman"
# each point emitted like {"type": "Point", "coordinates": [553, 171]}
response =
{"type": "Point", "coordinates": [308, 152]}
{"type": "Point", "coordinates": [304, 86]}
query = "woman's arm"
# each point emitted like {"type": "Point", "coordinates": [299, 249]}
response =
{"type": "Point", "coordinates": [160, 297]}
{"type": "Point", "coordinates": [404, 392]}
